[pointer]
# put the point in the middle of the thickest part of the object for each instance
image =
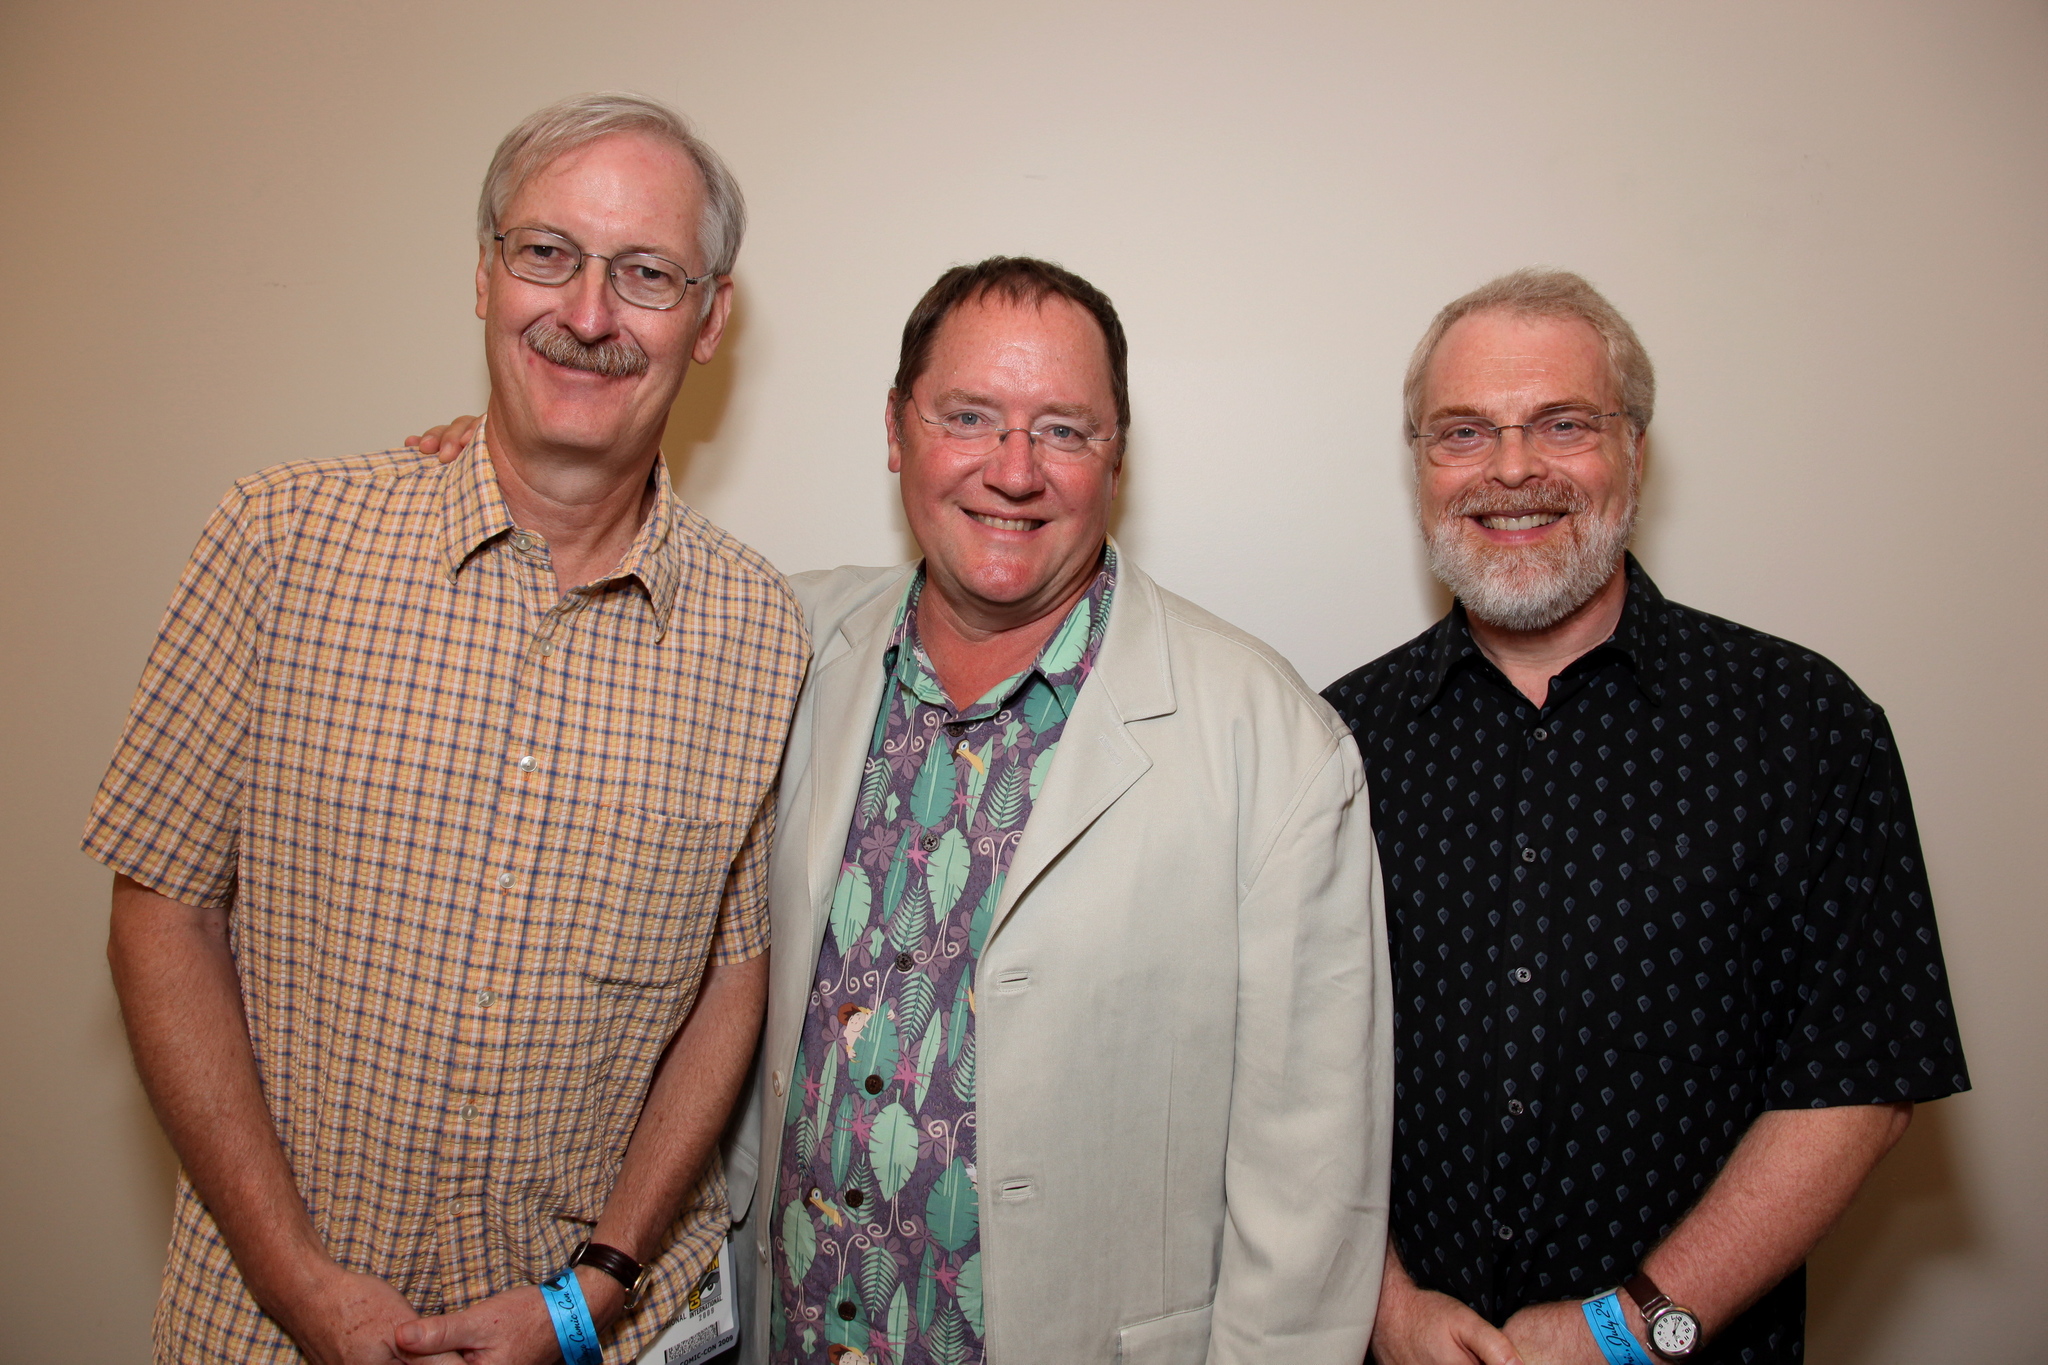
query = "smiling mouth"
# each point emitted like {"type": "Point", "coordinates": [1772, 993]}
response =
{"type": "Point", "coordinates": [1006, 523]}
{"type": "Point", "coordinates": [1528, 521]}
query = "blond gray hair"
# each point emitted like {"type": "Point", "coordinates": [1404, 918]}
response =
{"type": "Point", "coordinates": [582, 119]}
{"type": "Point", "coordinates": [1545, 294]}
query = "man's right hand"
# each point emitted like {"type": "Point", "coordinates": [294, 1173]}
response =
{"type": "Point", "coordinates": [1417, 1326]}
{"type": "Point", "coordinates": [343, 1318]}
{"type": "Point", "coordinates": [446, 440]}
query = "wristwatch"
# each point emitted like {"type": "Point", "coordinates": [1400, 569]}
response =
{"type": "Point", "coordinates": [1674, 1331]}
{"type": "Point", "coordinates": [614, 1263]}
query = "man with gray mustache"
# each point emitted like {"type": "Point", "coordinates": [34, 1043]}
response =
{"type": "Point", "coordinates": [441, 825]}
{"type": "Point", "coordinates": [1666, 979]}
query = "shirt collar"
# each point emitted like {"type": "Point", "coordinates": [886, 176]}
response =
{"type": "Point", "coordinates": [473, 513]}
{"type": "Point", "coordinates": [1640, 638]}
{"type": "Point", "coordinates": [913, 670]}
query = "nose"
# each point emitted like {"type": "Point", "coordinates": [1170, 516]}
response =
{"type": "Point", "coordinates": [1012, 468]}
{"type": "Point", "coordinates": [1515, 459]}
{"type": "Point", "coordinates": [590, 309]}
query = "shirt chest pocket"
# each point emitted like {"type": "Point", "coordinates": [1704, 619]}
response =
{"type": "Point", "coordinates": [648, 896]}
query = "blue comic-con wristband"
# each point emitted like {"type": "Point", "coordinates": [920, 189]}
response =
{"type": "Point", "coordinates": [571, 1315]}
{"type": "Point", "coordinates": [1610, 1331]}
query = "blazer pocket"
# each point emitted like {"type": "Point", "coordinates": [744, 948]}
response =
{"type": "Point", "coordinates": [1177, 1339]}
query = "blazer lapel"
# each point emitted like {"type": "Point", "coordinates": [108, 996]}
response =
{"type": "Point", "coordinates": [847, 685]}
{"type": "Point", "coordinates": [1098, 759]}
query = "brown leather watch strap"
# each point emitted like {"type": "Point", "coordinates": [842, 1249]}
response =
{"type": "Point", "coordinates": [1649, 1298]}
{"type": "Point", "coordinates": [611, 1261]}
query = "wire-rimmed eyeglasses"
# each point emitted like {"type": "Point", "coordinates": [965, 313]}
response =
{"type": "Point", "coordinates": [639, 277]}
{"type": "Point", "coordinates": [1466, 440]}
{"type": "Point", "coordinates": [976, 433]}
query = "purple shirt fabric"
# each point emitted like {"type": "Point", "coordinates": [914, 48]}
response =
{"type": "Point", "coordinates": [876, 1233]}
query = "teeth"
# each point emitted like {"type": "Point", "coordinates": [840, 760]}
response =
{"type": "Point", "coordinates": [1528, 522]}
{"type": "Point", "coordinates": [1003, 523]}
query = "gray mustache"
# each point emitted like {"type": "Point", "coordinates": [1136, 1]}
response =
{"type": "Point", "coordinates": [612, 359]}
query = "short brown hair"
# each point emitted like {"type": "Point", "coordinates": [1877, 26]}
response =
{"type": "Point", "coordinates": [1547, 294]}
{"type": "Point", "coordinates": [1015, 279]}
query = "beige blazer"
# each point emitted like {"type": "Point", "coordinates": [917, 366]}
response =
{"type": "Point", "coordinates": [1183, 1047]}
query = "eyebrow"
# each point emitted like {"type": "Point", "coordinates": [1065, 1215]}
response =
{"type": "Point", "coordinates": [1466, 410]}
{"type": "Point", "coordinates": [628, 250]}
{"type": "Point", "coordinates": [968, 398]}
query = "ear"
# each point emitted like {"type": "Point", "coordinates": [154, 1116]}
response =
{"type": "Point", "coordinates": [713, 327]}
{"type": "Point", "coordinates": [890, 409]}
{"type": "Point", "coordinates": [483, 278]}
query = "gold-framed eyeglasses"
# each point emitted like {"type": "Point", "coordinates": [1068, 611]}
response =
{"type": "Point", "coordinates": [639, 277]}
{"type": "Point", "coordinates": [977, 433]}
{"type": "Point", "coordinates": [1467, 440]}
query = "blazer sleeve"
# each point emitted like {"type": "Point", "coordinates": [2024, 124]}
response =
{"type": "Point", "coordinates": [1305, 1181]}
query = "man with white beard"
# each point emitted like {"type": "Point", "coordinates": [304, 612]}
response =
{"type": "Point", "coordinates": [1666, 977]}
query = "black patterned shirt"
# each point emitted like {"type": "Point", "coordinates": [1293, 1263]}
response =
{"type": "Point", "coordinates": [1683, 891]}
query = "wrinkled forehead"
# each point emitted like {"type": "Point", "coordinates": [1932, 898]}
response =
{"type": "Point", "coordinates": [630, 179]}
{"type": "Point", "coordinates": [1494, 359]}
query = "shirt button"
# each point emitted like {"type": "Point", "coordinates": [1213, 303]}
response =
{"type": "Point", "coordinates": [1521, 975]}
{"type": "Point", "coordinates": [544, 648]}
{"type": "Point", "coordinates": [930, 842]}
{"type": "Point", "coordinates": [1505, 1233]}
{"type": "Point", "coordinates": [847, 1310]}
{"type": "Point", "coordinates": [874, 1085]}
{"type": "Point", "coordinates": [1516, 1106]}
{"type": "Point", "coordinates": [1539, 735]}
{"type": "Point", "coordinates": [468, 1110]}
{"type": "Point", "coordinates": [1528, 855]}
{"type": "Point", "coordinates": [486, 997]}
{"type": "Point", "coordinates": [853, 1198]}
{"type": "Point", "coordinates": [955, 727]}
{"type": "Point", "coordinates": [527, 763]}
{"type": "Point", "coordinates": [505, 880]}
{"type": "Point", "coordinates": [904, 962]}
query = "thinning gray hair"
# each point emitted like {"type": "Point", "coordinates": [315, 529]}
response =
{"type": "Point", "coordinates": [582, 119]}
{"type": "Point", "coordinates": [1546, 294]}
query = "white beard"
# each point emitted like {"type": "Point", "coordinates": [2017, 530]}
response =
{"type": "Point", "coordinates": [1532, 587]}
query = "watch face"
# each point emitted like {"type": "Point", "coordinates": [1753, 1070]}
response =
{"type": "Point", "coordinates": [1675, 1332]}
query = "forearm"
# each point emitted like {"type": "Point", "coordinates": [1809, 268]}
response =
{"type": "Point", "coordinates": [688, 1101]}
{"type": "Point", "coordinates": [181, 1002]}
{"type": "Point", "coordinates": [1788, 1181]}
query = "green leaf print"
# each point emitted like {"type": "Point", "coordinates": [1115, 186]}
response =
{"type": "Point", "coordinates": [968, 1287]}
{"type": "Point", "coordinates": [796, 1089]}
{"type": "Point", "coordinates": [976, 778]}
{"type": "Point", "coordinates": [876, 938]}
{"type": "Point", "coordinates": [951, 1211]}
{"type": "Point", "coordinates": [927, 1292]}
{"type": "Point", "coordinates": [1040, 766]}
{"type": "Point", "coordinates": [927, 1060]}
{"type": "Point", "coordinates": [945, 872]}
{"type": "Point", "coordinates": [1010, 733]}
{"type": "Point", "coordinates": [931, 795]}
{"type": "Point", "coordinates": [899, 873]}
{"type": "Point", "coordinates": [892, 1148]}
{"type": "Point", "coordinates": [853, 899]}
{"type": "Point", "coordinates": [874, 1052]}
{"type": "Point", "coordinates": [1006, 802]}
{"type": "Point", "coordinates": [873, 783]}
{"type": "Point", "coordinates": [846, 1331]}
{"type": "Point", "coordinates": [963, 1073]}
{"type": "Point", "coordinates": [806, 1138]}
{"type": "Point", "coordinates": [956, 1023]}
{"type": "Point", "coordinates": [984, 916]}
{"type": "Point", "coordinates": [878, 1279]}
{"type": "Point", "coordinates": [799, 1240]}
{"type": "Point", "coordinates": [890, 806]}
{"type": "Point", "coordinates": [842, 1140]}
{"type": "Point", "coordinates": [828, 1083]}
{"type": "Point", "coordinates": [778, 1323]}
{"type": "Point", "coordinates": [914, 1006]}
{"type": "Point", "coordinates": [898, 1322]}
{"type": "Point", "coordinates": [1070, 643]}
{"type": "Point", "coordinates": [913, 916]}
{"type": "Point", "coordinates": [947, 1341]}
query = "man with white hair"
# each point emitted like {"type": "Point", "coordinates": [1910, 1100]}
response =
{"type": "Point", "coordinates": [442, 817]}
{"type": "Point", "coordinates": [1666, 977]}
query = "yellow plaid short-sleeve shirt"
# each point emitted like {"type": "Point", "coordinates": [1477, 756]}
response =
{"type": "Point", "coordinates": [479, 838]}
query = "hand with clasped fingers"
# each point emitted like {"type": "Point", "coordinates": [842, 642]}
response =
{"type": "Point", "coordinates": [512, 1328]}
{"type": "Point", "coordinates": [340, 1317]}
{"type": "Point", "coordinates": [1418, 1326]}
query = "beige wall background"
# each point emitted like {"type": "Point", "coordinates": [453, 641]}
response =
{"type": "Point", "coordinates": [239, 231]}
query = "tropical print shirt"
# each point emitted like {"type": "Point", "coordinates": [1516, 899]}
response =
{"type": "Point", "coordinates": [877, 1245]}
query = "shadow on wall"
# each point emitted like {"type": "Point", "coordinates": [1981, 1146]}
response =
{"type": "Point", "coordinates": [697, 413]}
{"type": "Point", "coordinates": [1911, 1212]}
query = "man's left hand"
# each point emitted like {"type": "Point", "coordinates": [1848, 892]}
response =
{"type": "Point", "coordinates": [1554, 1334]}
{"type": "Point", "coordinates": [512, 1328]}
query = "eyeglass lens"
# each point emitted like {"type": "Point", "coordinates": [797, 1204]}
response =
{"type": "Point", "coordinates": [1557, 433]}
{"type": "Point", "coordinates": [544, 258]}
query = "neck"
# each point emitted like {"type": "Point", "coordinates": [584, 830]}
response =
{"type": "Point", "coordinates": [587, 507]}
{"type": "Point", "coordinates": [1531, 658]}
{"type": "Point", "coordinates": [972, 651]}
